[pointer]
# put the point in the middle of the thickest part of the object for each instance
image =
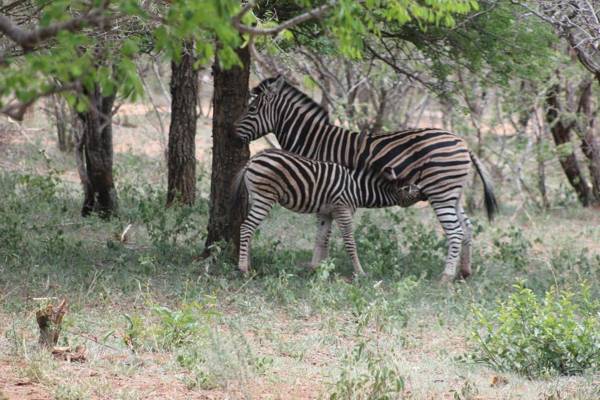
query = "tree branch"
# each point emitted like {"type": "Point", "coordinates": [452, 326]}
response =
{"type": "Point", "coordinates": [29, 39]}
{"type": "Point", "coordinates": [395, 67]}
{"type": "Point", "coordinates": [16, 110]}
{"type": "Point", "coordinates": [290, 23]}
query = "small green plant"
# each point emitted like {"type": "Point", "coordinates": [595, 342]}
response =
{"type": "Point", "coordinates": [467, 391]}
{"type": "Point", "coordinates": [166, 227]}
{"type": "Point", "coordinates": [367, 375]}
{"type": "Point", "coordinates": [64, 392]}
{"type": "Point", "coordinates": [135, 332]}
{"type": "Point", "coordinates": [192, 359]}
{"type": "Point", "coordinates": [178, 327]}
{"type": "Point", "coordinates": [368, 372]}
{"type": "Point", "coordinates": [559, 334]}
{"type": "Point", "coordinates": [512, 248]}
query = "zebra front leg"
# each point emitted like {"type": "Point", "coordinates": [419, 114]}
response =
{"type": "Point", "coordinates": [321, 250]}
{"type": "Point", "coordinates": [343, 217]}
{"type": "Point", "coordinates": [465, 253]}
{"type": "Point", "coordinates": [259, 209]}
{"type": "Point", "coordinates": [447, 213]}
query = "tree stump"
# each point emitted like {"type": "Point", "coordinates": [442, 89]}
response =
{"type": "Point", "coordinates": [49, 320]}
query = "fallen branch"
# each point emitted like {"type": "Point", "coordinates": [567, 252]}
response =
{"type": "Point", "coordinates": [70, 355]}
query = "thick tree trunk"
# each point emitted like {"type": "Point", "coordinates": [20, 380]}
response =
{"type": "Point", "coordinates": [96, 156]}
{"type": "Point", "coordinates": [591, 149]}
{"type": "Point", "coordinates": [229, 154]}
{"type": "Point", "coordinates": [561, 133]}
{"type": "Point", "coordinates": [590, 142]}
{"type": "Point", "coordinates": [181, 159]}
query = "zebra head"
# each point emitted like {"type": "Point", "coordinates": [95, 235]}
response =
{"type": "Point", "coordinates": [260, 117]}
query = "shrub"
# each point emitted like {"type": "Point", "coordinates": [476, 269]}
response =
{"type": "Point", "coordinates": [367, 375]}
{"type": "Point", "coordinates": [512, 248]}
{"type": "Point", "coordinates": [417, 250]}
{"type": "Point", "coordinates": [559, 334]}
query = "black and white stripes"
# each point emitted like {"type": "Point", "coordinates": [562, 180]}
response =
{"type": "Point", "coordinates": [330, 190]}
{"type": "Point", "coordinates": [438, 161]}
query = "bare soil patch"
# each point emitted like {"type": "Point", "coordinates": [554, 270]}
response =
{"type": "Point", "coordinates": [15, 387]}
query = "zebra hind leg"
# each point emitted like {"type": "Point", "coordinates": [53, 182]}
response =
{"type": "Point", "coordinates": [343, 217]}
{"type": "Point", "coordinates": [321, 250]}
{"type": "Point", "coordinates": [447, 214]}
{"type": "Point", "coordinates": [465, 253]}
{"type": "Point", "coordinates": [258, 211]}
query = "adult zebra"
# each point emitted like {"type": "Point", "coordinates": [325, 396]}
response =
{"type": "Point", "coordinates": [437, 161]}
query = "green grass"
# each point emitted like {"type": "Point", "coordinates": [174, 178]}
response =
{"type": "Point", "coordinates": [158, 322]}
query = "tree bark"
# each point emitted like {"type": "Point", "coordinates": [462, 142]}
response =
{"type": "Point", "coordinates": [590, 143]}
{"type": "Point", "coordinates": [540, 159]}
{"type": "Point", "coordinates": [96, 152]}
{"type": "Point", "coordinates": [181, 158]}
{"type": "Point", "coordinates": [561, 133]}
{"type": "Point", "coordinates": [63, 120]}
{"type": "Point", "coordinates": [229, 154]}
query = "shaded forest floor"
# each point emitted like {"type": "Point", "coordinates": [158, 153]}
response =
{"type": "Point", "coordinates": [157, 322]}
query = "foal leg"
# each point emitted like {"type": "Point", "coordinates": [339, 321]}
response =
{"type": "Point", "coordinates": [343, 217]}
{"type": "Point", "coordinates": [447, 213]}
{"type": "Point", "coordinates": [321, 251]}
{"type": "Point", "coordinates": [465, 253]}
{"type": "Point", "coordinates": [259, 209]}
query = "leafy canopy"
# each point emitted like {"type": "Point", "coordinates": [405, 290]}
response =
{"type": "Point", "coordinates": [104, 55]}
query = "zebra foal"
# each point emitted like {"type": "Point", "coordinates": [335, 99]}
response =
{"type": "Point", "coordinates": [331, 191]}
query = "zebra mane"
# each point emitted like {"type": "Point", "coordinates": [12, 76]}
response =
{"type": "Point", "coordinates": [303, 97]}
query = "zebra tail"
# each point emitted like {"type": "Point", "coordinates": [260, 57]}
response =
{"type": "Point", "coordinates": [491, 205]}
{"type": "Point", "coordinates": [237, 187]}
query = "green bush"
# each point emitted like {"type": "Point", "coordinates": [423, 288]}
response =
{"type": "Point", "coordinates": [416, 250]}
{"type": "Point", "coordinates": [559, 334]}
{"type": "Point", "coordinates": [367, 375]}
{"type": "Point", "coordinates": [512, 248]}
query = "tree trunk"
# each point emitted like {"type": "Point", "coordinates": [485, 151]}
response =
{"type": "Point", "coordinates": [229, 154]}
{"type": "Point", "coordinates": [561, 133]}
{"type": "Point", "coordinates": [181, 158]}
{"type": "Point", "coordinates": [96, 156]}
{"type": "Point", "coordinates": [63, 120]}
{"type": "Point", "coordinates": [540, 158]}
{"type": "Point", "coordinates": [590, 143]}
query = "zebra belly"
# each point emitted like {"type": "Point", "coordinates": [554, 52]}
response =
{"type": "Point", "coordinates": [308, 208]}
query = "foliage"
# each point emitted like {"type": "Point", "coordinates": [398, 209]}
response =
{"type": "Point", "coordinates": [105, 58]}
{"type": "Point", "coordinates": [172, 328]}
{"type": "Point", "coordinates": [367, 376]}
{"type": "Point", "coordinates": [335, 337]}
{"type": "Point", "coordinates": [403, 247]}
{"type": "Point", "coordinates": [512, 248]}
{"type": "Point", "coordinates": [166, 226]}
{"type": "Point", "coordinates": [176, 328]}
{"type": "Point", "coordinates": [368, 372]}
{"type": "Point", "coordinates": [559, 334]}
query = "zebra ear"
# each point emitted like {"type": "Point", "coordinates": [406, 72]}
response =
{"type": "Point", "coordinates": [389, 174]}
{"type": "Point", "coordinates": [277, 84]}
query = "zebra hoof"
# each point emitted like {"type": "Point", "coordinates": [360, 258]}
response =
{"type": "Point", "coordinates": [359, 276]}
{"type": "Point", "coordinates": [465, 274]}
{"type": "Point", "coordinates": [446, 280]}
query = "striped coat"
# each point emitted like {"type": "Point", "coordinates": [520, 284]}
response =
{"type": "Point", "coordinates": [330, 190]}
{"type": "Point", "coordinates": [438, 161]}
